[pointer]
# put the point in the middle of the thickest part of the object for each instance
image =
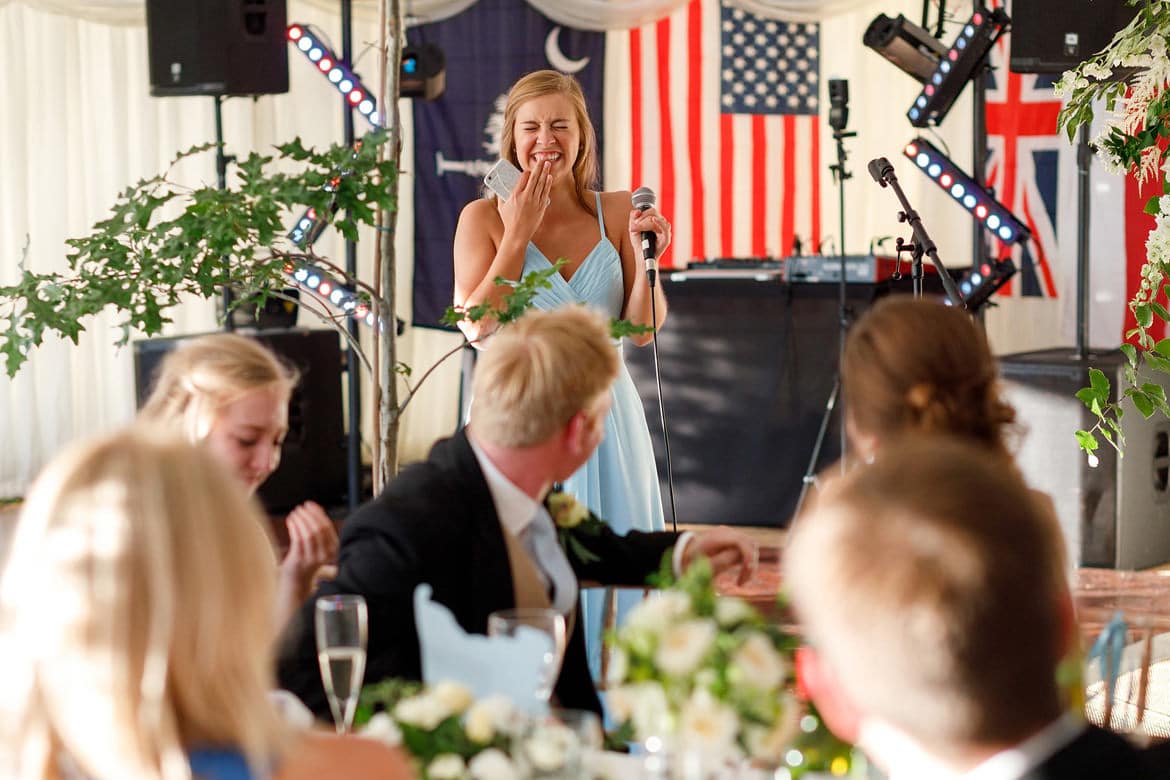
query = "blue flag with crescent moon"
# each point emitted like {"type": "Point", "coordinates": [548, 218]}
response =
{"type": "Point", "coordinates": [457, 137]}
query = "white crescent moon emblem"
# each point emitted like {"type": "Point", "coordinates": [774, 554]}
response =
{"type": "Point", "coordinates": [557, 58]}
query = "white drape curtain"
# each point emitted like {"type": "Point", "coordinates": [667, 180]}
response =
{"type": "Point", "coordinates": [77, 125]}
{"type": "Point", "coordinates": [582, 14]}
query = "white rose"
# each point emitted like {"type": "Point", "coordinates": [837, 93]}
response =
{"type": "Point", "coordinates": [769, 744]}
{"type": "Point", "coordinates": [488, 716]}
{"type": "Point", "coordinates": [493, 764]}
{"type": "Point", "coordinates": [619, 666]}
{"type": "Point", "coordinates": [759, 663]}
{"type": "Point", "coordinates": [658, 611]}
{"type": "Point", "coordinates": [707, 725]}
{"type": "Point", "coordinates": [684, 646]}
{"type": "Point", "coordinates": [457, 698]}
{"type": "Point", "coordinates": [730, 610]}
{"type": "Point", "coordinates": [383, 728]}
{"type": "Point", "coordinates": [447, 766]}
{"type": "Point", "coordinates": [423, 711]}
{"type": "Point", "coordinates": [548, 747]}
{"type": "Point", "coordinates": [642, 704]}
{"type": "Point", "coordinates": [651, 713]}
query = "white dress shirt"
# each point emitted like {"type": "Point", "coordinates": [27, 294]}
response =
{"type": "Point", "coordinates": [517, 511]}
{"type": "Point", "coordinates": [903, 759]}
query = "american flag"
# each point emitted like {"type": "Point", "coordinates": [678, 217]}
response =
{"type": "Point", "coordinates": [723, 107]}
{"type": "Point", "coordinates": [1023, 168]}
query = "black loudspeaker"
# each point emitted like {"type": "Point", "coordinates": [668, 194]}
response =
{"type": "Point", "coordinates": [1114, 515]}
{"type": "Point", "coordinates": [747, 369]}
{"type": "Point", "coordinates": [1052, 36]}
{"type": "Point", "coordinates": [217, 47]}
{"type": "Point", "coordinates": [312, 462]}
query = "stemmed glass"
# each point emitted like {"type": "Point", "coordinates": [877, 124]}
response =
{"type": "Point", "coordinates": [506, 622]}
{"type": "Point", "coordinates": [340, 623]}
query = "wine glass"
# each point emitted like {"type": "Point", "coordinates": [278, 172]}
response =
{"type": "Point", "coordinates": [505, 622]}
{"type": "Point", "coordinates": [340, 623]}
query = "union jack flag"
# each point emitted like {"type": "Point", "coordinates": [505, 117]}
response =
{"type": "Point", "coordinates": [1023, 170]}
{"type": "Point", "coordinates": [723, 108]}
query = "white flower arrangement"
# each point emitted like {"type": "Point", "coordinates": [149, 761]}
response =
{"type": "Point", "coordinates": [704, 671]}
{"type": "Point", "coordinates": [1130, 76]}
{"type": "Point", "coordinates": [452, 736]}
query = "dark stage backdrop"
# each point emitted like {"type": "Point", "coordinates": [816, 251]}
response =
{"type": "Point", "coordinates": [747, 368]}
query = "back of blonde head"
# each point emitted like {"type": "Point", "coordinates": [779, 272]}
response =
{"type": "Point", "coordinates": [539, 371]}
{"type": "Point", "coordinates": [136, 615]}
{"type": "Point", "coordinates": [205, 374]}
{"type": "Point", "coordinates": [916, 365]}
{"type": "Point", "coordinates": [932, 583]}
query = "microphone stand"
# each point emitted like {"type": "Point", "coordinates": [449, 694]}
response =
{"type": "Point", "coordinates": [649, 252]}
{"type": "Point", "coordinates": [840, 175]}
{"type": "Point", "coordinates": [883, 173]}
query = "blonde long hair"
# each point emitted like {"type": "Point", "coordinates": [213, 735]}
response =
{"type": "Point", "coordinates": [136, 615]}
{"type": "Point", "coordinates": [205, 374]}
{"type": "Point", "coordinates": [550, 82]}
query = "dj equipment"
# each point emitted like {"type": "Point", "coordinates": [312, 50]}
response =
{"type": "Point", "coordinates": [809, 269]}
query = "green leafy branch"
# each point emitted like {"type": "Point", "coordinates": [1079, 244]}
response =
{"type": "Point", "coordinates": [163, 241]}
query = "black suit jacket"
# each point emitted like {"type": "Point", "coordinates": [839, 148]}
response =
{"type": "Point", "coordinates": [436, 523]}
{"type": "Point", "coordinates": [1096, 754]}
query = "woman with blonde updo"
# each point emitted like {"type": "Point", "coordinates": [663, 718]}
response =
{"type": "Point", "coordinates": [915, 365]}
{"type": "Point", "coordinates": [136, 628]}
{"type": "Point", "coordinates": [230, 393]}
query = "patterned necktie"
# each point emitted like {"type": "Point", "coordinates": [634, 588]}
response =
{"type": "Point", "coordinates": [540, 540]}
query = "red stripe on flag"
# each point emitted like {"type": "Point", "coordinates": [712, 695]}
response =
{"type": "Point", "coordinates": [1044, 271]}
{"type": "Point", "coordinates": [759, 175]}
{"type": "Point", "coordinates": [814, 173]}
{"type": "Point", "coordinates": [788, 204]}
{"type": "Point", "coordinates": [636, 105]}
{"type": "Point", "coordinates": [695, 127]}
{"type": "Point", "coordinates": [667, 194]}
{"type": "Point", "coordinates": [1138, 225]}
{"type": "Point", "coordinates": [726, 180]}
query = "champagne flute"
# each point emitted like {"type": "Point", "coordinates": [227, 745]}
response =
{"type": "Point", "coordinates": [505, 622]}
{"type": "Point", "coordinates": [340, 623]}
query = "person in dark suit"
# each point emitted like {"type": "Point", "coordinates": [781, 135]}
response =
{"type": "Point", "coordinates": [933, 593]}
{"type": "Point", "coordinates": [470, 520]}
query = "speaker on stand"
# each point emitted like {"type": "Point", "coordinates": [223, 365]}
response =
{"type": "Point", "coordinates": [217, 47]}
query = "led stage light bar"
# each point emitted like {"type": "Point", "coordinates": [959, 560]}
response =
{"type": "Point", "coordinates": [338, 73]}
{"type": "Point", "coordinates": [967, 192]}
{"type": "Point", "coordinates": [319, 283]}
{"type": "Point", "coordinates": [980, 283]}
{"type": "Point", "coordinates": [956, 66]}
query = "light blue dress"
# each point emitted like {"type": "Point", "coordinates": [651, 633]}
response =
{"type": "Point", "coordinates": [620, 481]}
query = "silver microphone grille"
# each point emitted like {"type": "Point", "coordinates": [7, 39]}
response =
{"type": "Point", "coordinates": [644, 198]}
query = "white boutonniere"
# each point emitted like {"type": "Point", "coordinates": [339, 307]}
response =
{"type": "Point", "coordinates": [575, 524]}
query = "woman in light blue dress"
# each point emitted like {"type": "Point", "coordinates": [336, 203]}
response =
{"type": "Point", "coordinates": [552, 214]}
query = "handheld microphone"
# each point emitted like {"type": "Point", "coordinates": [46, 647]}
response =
{"type": "Point", "coordinates": [643, 198]}
{"type": "Point", "coordinates": [881, 170]}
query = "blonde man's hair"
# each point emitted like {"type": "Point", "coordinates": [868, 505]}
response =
{"type": "Point", "coordinates": [539, 371]}
{"type": "Point", "coordinates": [931, 582]}
{"type": "Point", "coordinates": [197, 379]}
{"type": "Point", "coordinates": [136, 615]}
{"type": "Point", "coordinates": [917, 365]}
{"type": "Point", "coordinates": [550, 82]}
